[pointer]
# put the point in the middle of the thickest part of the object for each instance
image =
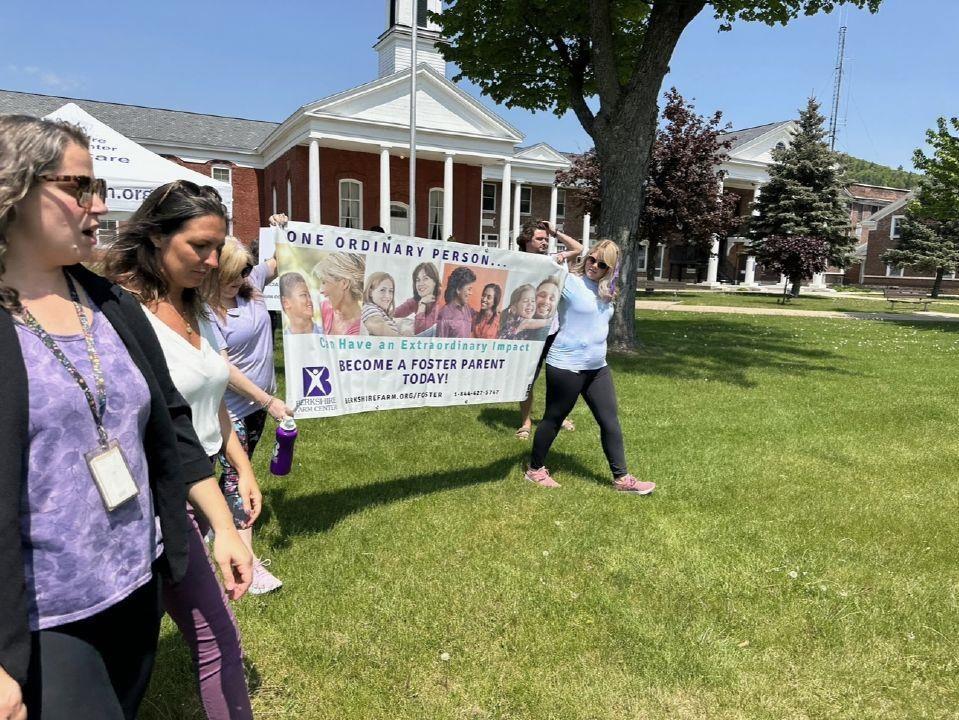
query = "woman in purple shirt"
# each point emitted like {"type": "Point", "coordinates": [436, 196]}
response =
{"type": "Point", "coordinates": [97, 445]}
{"type": "Point", "coordinates": [455, 320]}
{"type": "Point", "coordinates": [242, 326]}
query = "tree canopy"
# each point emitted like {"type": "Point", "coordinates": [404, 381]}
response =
{"type": "Point", "coordinates": [870, 173]}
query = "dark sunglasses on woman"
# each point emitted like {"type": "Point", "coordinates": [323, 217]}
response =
{"type": "Point", "coordinates": [85, 187]}
{"type": "Point", "coordinates": [590, 260]}
{"type": "Point", "coordinates": [245, 272]}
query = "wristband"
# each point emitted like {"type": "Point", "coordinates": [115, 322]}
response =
{"type": "Point", "coordinates": [268, 403]}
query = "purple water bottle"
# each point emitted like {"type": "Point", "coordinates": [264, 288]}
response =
{"type": "Point", "coordinates": [282, 460]}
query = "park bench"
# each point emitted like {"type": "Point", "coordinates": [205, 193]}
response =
{"type": "Point", "coordinates": [912, 296]}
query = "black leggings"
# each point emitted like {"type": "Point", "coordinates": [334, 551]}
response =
{"type": "Point", "coordinates": [563, 388]}
{"type": "Point", "coordinates": [98, 667]}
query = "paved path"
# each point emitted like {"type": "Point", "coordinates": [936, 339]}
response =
{"type": "Point", "coordinates": [672, 306]}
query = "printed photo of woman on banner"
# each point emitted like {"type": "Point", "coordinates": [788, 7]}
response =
{"type": "Point", "coordinates": [423, 306]}
{"type": "Point", "coordinates": [341, 278]}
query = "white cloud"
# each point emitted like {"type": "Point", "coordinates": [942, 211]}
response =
{"type": "Point", "coordinates": [46, 78]}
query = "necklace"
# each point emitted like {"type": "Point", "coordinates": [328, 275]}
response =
{"type": "Point", "coordinates": [189, 328]}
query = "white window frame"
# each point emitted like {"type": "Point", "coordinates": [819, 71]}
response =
{"type": "Point", "coordinates": [489, 240]}
{"type": "Point", "coordinates": [483, 197]}
{"type": "Point", "coordinates": [289, 198]}
{"type": "Point", "coordinates": [560, 203]}
{"type": "Point", "coordinates": [107, 232]}
{"type": "Point", "coordinates": [891, 271]}
{"type": "Point", "coordinates": [358, 201]}
{"type": "Point", "coordinates": [661, 251]}
{"type": "Point", "coordinates": [434, 216]}
{"type": "Point", "coordinates": [229, 173]}
{"type": "Point", "coordinates": [274, 198]}
{"type": "Point", "coordinates": [527, 191]}
{"type": "Point", "coordinates": [894, 232]}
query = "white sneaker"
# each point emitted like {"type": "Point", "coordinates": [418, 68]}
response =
{"type": "Point", "coordinates": [263, 580]}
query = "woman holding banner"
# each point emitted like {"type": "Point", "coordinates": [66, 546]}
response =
{"type": "Point", "coordinates": [163, 255]}
{"type": "Point", "coordinates": [97, 446]}
{"type": "Point", "coordinates": [535, 239]}
{"type": "Point", "coordinates": [576, 366]}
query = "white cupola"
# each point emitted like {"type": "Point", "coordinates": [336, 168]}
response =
{"type": "Point", "coordinates": [394, 45]}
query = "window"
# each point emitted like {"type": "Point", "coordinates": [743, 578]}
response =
{"type": "Point", "coordinates": [436, 214]}
{"type": "Point", "coordinates": [894, 271]}
{"type": "Point", "coordinates": [560, 203]}
{"type": "Point", "coordinates": [274, 199]}
{"type": "Point", "coordinates": [421, 13]}
{"type": "Point", "coordinates": [643, 260]}
{"type": "Point", "coordinates": [489, 240]}
{"type": "Point", "coordinates": [107, 232]}
{"type": "Point", "coordinates": [525, 200]}
{"type": "Point", "coordinates": [351, 204]}
{"type": "Point", "coordinates": [489, 197]}
{"type": "Point", "coordinates": [894, 232]}
{"type": "Point", "coordinates": [223, 173]}
{"type": "Point", "coordinates": [289, 198]}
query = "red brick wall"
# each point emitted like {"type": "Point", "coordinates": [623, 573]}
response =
{"type": "Point", "coordinates": [879, 241]}
{"type": "Point", "coordinates": [246, 195]}
{"type": "Point", "coordinates": [293, 165]}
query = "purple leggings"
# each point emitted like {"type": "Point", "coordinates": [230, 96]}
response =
{"type": "Point", "coordinates": [201, 610]}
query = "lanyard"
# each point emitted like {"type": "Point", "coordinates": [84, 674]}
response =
{"type": "Point", "coordinates": [98, 405]}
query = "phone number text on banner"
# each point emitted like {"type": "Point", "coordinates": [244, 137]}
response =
{"type": "Point", "coordinates": [376, 322]}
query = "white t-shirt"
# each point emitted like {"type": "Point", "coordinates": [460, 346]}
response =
{"type": "Point", "coordinates": [200, 375]}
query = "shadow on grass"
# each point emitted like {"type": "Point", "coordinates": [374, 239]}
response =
{"type": "Point", "coordinates": [308, 514]}
{"type": "Point", "coordinates": [695, 347]}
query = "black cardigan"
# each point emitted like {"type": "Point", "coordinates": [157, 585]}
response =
{"type": "Point", "coordinates": [175, 458]}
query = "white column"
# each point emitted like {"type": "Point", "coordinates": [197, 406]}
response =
{"type": "Point", "coordinates": [712, 270]}
{"type": "Point", "coordinates": [585, 240]}
{"type": "Point", "coordinates": [553, 200]}
{"type": "Point", "coordinates": [448, 196]}
{"type": "Point", "coordinates": [517, 192]}
{"type": "Point", "coordinates": [819, 282]}
{"type": "Point", "coordinates": [314, 188]}
{"type": "Point", "coordinates": [385, 189]}
{"type": "Point", "coordinates": [504, 207]}
{"type": "Point", "coordinates": [750, 279]}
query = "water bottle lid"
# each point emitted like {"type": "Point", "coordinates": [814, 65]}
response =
{"type": "Point", "coordinates": [288, 424]}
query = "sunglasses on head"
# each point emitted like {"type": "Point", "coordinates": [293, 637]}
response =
{"type": "Point", "coordinates": [85, 187]}
{"type": "Point", "coordinates": [590, 260]}
{"type": "Point", "coordinates": [190, 187]}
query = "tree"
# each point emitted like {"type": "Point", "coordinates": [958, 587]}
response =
{"type": "Point", "coordinates": [926, 244]}
{"type": "Point", "coordinates": [683, 199]}
{"type": "Point", "coordinates": [939, 196]}
{"type": "Point", "coordinates": [794, 256]}
{"type": "Point", "coordinates": [683, 202]}
{"type": "Point", "coordinates": [870, 173]}
{"type": "Point", "coordinates": [558, 54]}
{"type": "Point", "coordinates": [803, 198]}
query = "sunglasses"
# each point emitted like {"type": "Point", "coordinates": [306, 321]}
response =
{"type": "Point", "coordinates": [590, 260]}
{"type": "Point", "coordinates": [191, 188]}
{"type": "Point", "coordinates": [85, 187]}
{"type": "Point", "coordinates": [245, 272]}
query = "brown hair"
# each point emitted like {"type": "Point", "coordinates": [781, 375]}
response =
{"type": "Point", "coordinates": [29, 147]}
{"type": "Point", "coordinates": [371, 282]}
{"type": "Point", "coordinates": [133, 261]}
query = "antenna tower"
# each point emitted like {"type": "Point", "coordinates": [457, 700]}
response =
{"type": "Point", "coordinates": [837, 89]}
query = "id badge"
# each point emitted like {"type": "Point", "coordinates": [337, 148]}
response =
{"type": "Point", "coordinates": [112, 475]}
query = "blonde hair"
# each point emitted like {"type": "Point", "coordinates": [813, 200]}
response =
{"type": "Point", "coordinates": [371, 283]}
{"type": "Point", "coordinates": [609, 253]}
{"type": "Point", "coordinates": [234, 258]}
{"type": "Point", "coordinates": [343, 266]}
{"type": "Point", "coordinates": [29, 147]}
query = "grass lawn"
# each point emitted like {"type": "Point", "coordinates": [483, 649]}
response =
{"type": "Point", "coordinates": [804, 302]}
{"type": "Point", "coordinates": [794, 562]}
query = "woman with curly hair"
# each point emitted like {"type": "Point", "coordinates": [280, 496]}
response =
{"type": "Point", "coordinates": [455, 320]}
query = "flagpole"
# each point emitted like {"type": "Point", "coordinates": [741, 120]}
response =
{"type": "Point", "coordinates": [415, 24]}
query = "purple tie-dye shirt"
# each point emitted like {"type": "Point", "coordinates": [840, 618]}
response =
{"type": "Point", "coordinates": [80, 559]}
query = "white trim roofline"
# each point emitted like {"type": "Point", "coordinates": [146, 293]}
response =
{"type": "Point", "coordinates": [792, 125]}
{"type": "Point", "coordinates": [888, 210]}
{"type": "Point", "coordinates": [318, 105]}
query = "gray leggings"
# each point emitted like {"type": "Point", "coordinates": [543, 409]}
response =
{"type": "Point", "coordinates": [563, 388]}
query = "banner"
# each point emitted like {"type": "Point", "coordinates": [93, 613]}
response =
{"type": "Point", "coordinates": [377, 322]}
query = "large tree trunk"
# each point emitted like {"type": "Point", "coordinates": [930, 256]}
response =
{"type": "Point", "coordinates": [937, 285]}
{"type": "Point", "coordinates": [796, 282]}
{"type": "Point", "coordinates": [623, 131]}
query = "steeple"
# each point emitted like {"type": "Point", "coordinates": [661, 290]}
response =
{"type": "Point", "coordinates": [393, 45]}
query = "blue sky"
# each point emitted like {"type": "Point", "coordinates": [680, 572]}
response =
{"type": "Point", "coordinates": [263, 60]}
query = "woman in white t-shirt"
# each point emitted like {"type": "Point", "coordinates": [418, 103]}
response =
{"type": "Point", "coordinates": [163, 254]}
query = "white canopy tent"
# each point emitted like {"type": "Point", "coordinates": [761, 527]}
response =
{"type": "Point", "coordinates": [131, 171]}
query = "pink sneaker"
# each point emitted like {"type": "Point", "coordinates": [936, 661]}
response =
{"type": "Point", "coordinates": [627, 483]}
{"type": "Point", "coordinates": [541, 477]}
{"type": "Point", "coordinates": [263, 580]}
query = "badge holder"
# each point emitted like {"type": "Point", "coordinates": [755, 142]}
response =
{"type": "Point", "coordinates": [111, 473]}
